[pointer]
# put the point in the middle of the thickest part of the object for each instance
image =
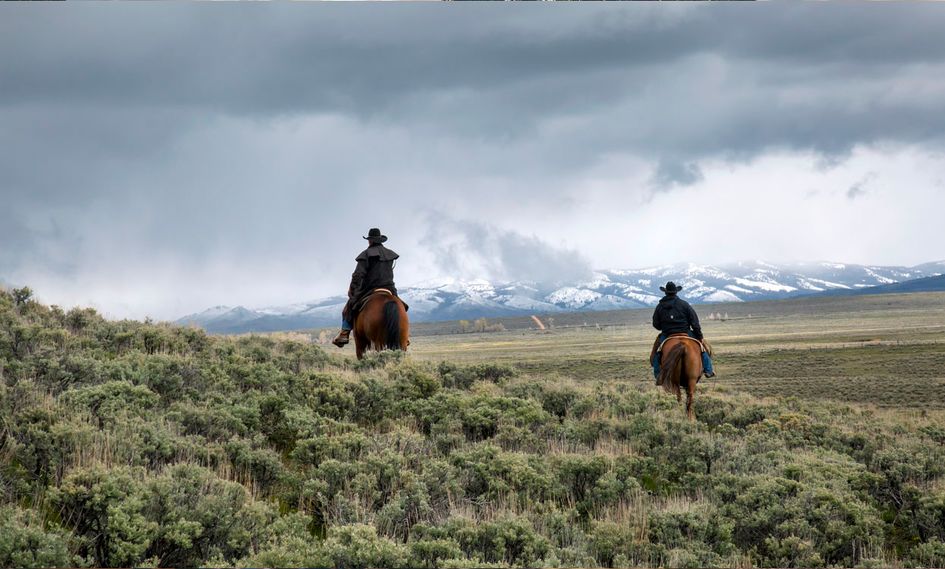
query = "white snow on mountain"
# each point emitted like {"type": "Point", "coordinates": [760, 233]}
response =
{"type": "Point", "coordinates": [828, 284]}
{"type": "Point", "coordinates": [720, 296]}
{"type": "Point", "coordinates": [759, 284]}
{"type": "Point", "coordinates": [573, 297]}
{"type": "Point", "coordinates": [450, 298]}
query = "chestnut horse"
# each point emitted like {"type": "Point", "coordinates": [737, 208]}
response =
{"type": "Point", "coordinates": [681, 367]}
{"type": "Point", "coordinates": [381, 324]}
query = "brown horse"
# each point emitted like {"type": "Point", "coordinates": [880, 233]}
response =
{"type": "Point", "coordinates": [681, 367]}
{"type": "Point", "coordinates": [381, 324]}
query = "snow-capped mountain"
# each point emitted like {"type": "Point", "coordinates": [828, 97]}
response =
{"type": "Point", "coordinates": [451, 299]}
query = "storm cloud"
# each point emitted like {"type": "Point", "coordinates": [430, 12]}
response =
{"type": "Point", "coordinates": [470, 250]}
{"type": "Point", "coordinates": [161, 158]}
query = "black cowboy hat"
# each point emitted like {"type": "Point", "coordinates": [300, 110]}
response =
{"type": "Point", "coordinates": [670, 288]}
{"type": "Point", "coordinates": [374, 235]}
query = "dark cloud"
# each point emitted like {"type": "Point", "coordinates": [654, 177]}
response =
{"type": "Point", "coordinates": [670, 173]}
{"type": "Point", "coordinates": [502, 75]}
{"type": "Point", "coordinates": [247, 142]}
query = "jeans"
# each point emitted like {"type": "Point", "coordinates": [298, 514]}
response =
{"type": "Point", "coordinates": [706, 360]}
{"type": "Point", "coordinates": [345, 325]}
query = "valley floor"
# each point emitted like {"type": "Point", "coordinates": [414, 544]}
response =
{"type": "Point", "coordinates": [884, 350]}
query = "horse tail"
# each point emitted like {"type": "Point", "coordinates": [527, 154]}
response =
{"type": "Point", "coordinates": [672, 371]}
{"type": "Point", "coordinates": [392, 325]}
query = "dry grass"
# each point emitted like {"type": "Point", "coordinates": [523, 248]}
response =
{"type": "Point", "coordinates": [885, 351]}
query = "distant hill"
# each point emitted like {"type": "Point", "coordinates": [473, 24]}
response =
{"type": "Point", "coordinates": [615, 289]}
{"type": "Point", "coordinates": [927, 284]}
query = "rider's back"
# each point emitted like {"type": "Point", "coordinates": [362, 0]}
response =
{"type": "Point", "coordinates": [674, 315]}
{"type": "Point", "coordinates": [379, 268]}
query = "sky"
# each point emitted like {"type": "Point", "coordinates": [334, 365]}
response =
{"type": "Point", "coordinates": [157, 159]}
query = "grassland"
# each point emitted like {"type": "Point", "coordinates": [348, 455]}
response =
{"type": "Point", "coordinates": [887, 351]}
{"type": "Point", "coordinates": [822, 443]}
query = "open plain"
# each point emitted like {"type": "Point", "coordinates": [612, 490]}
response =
{"type": "Point", "coordinates": [884, 350]}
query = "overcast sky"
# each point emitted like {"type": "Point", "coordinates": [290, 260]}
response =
{"type": "Point", "coordinates": [157, 159]}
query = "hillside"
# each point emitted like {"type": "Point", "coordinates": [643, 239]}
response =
{"type": "Point", "coordinates": [125, 443]}
{"type": "Point", "coordinates": [451, 299]}
{"type": "Point", "coordinates": [926, 284]}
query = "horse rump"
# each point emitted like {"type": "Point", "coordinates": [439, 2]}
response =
{"type": "Point", "coordinates": [672, 369]}
{"type": "Point", "coordinates": [392, 325]}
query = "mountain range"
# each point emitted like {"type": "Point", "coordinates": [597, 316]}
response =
{"type": "Point", "coordinates": [451, 299]}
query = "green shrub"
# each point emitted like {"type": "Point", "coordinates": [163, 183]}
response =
{"type": "Point", "coordinates": [928, 554]}
{"type": "Point", "coordinates": [288, 543]}
{"type": "Point", "coordinates": [330, 396]}
{"type": "Point", "coordinates": [612, 544]}
{"type": "Point", "coordinates": [413, 382]}
{"type": "Point", "coordinates": [112, 399]}
{"type": "Point", "coordinates": [358, 547]}
{"type": "Point", "coordinates": [463, 377]}
{"type": "Point", "coordinates": [262, 466]}
{"type": "Point", "coordinates": [188, 504]}
{"type": "Point", "coordinates": [345, 447]}
{"type": "Point", "coordinates": [513, 541]}
{"type": "Point", "coordinates": [374, 360]}
{"type": "Point", "coordinates": [106, 509]}
{"type": "Point", "coordinates": [578, 476]}
{"type": "Point", "coordinates": [431, 553]}
{"type": "Point", "coordinates": [26, 543]}
{"type": "Point", "coordinates": [488, 472]}
{"type": "Point", "coordinates": [508, 541]}
{"type": "Point", "coordinates": [126, 443]}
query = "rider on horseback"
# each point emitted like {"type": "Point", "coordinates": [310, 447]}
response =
{"type": "Point", "coordinates": [375, 270]}
{"type": "Point", "coordinates": [674, 315]}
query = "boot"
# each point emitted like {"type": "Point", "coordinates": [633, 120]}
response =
{"type": "Point", "coordinates": [707, 365]}
{"type": "Point", "coordinates": [342, 338]}
{"type": "Point", "coordinates": [654, 360]}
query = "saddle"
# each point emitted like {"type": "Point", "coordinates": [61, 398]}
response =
{"type": "Point", "coordinates": [360, 304]}
{"type": "Point", "coordinates": [702, 344]}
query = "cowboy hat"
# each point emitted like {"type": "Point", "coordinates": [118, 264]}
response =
{"type": "Point", "coordinates": [374, 235]}
{"type": "Point", "coordinates": [670, 288]}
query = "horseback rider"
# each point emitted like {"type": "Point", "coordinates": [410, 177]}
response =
{"type": "Point", "coordinates": [674, 315]}
{"type": "Point", "coordinates": [375, 270]}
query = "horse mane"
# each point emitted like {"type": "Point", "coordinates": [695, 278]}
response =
{"type": "Point", "coordinates": [672, 370]}
{"type": "Point", "coordinates": [392, 325]}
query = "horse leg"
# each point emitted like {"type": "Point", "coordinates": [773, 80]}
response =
{"type": "Point", "coordinates": [690, 392]}
{"type": "Point", "coordinates": [404, 330]}
{"type": "Point", "coordinates": [680, 377]}
{"type": "Point", "coordinates": [359, 345]}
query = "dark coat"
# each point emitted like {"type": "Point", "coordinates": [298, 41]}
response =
{"type": "Point", "coordinates": [674, 315]}
{"type": "Point", "coordinates": [375, 270]}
